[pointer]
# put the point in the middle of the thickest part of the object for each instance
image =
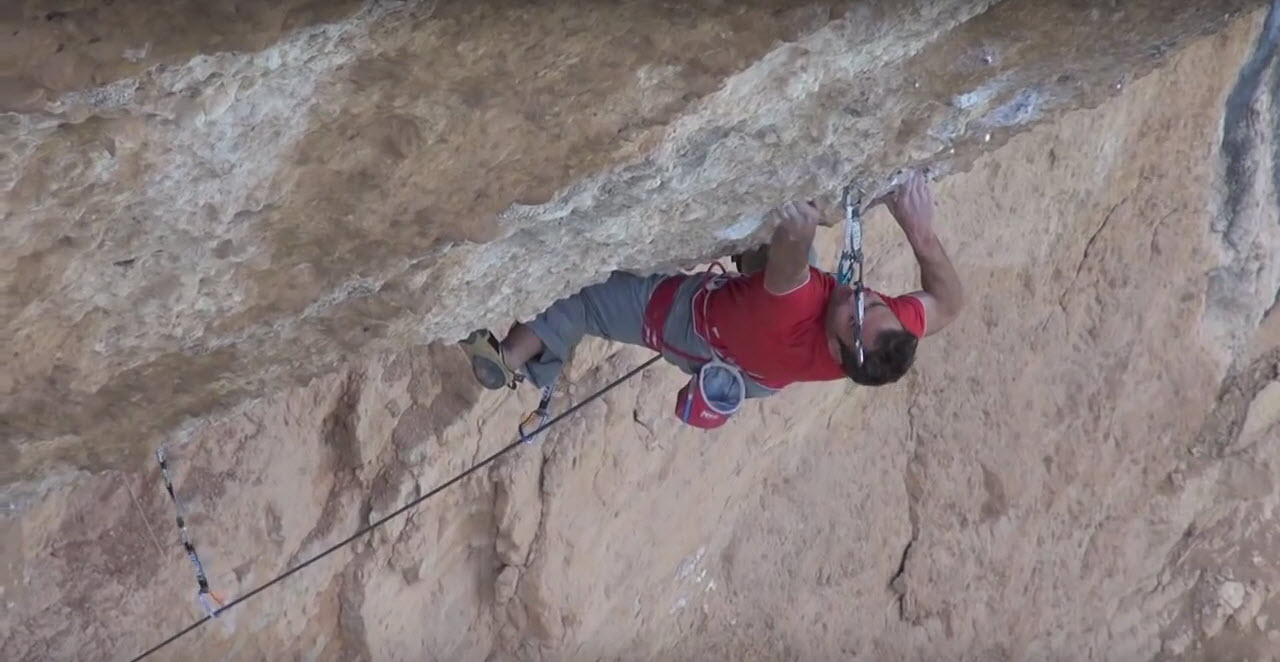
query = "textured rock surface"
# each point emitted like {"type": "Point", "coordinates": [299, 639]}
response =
{"type": "Point", "coordinates": [1083, 467]}
{"type": "Point", "coordinates": [182, 237]}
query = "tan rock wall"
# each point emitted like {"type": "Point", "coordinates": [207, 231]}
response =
{"type": "Point", "coordinates": [186, 236]}
{"type": "Point", "coordinates": [1082, 467]}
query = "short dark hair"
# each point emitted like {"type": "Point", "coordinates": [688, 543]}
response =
{"type": "Point", "coordinates": [895, 351]}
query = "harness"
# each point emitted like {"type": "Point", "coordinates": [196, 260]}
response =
{"type": "Point", "coordinates": [659, 309]}
{"type": "Point", "coordinates": [717, 388]}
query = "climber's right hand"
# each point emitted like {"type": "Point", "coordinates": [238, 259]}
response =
{"type": "Point", "coordinates": [788, 265]}
{"type": "Point", "coordinates": [796, 220]}
{"type": "Point", "coordinates": [911, 204]}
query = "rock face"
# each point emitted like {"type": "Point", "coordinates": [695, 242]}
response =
{"type": "Point", "coordinates": [1082, 467]}
{"type": "Point", "coordinates": [272, 198]}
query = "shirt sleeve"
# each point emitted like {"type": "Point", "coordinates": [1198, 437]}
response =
{"type": "Point", "coordinates": [910, 311]}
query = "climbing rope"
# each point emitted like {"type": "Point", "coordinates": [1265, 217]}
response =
{"type": "Point", "coordinates": [524, 438]}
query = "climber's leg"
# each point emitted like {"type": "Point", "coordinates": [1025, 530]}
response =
{"type": "Point", "coordinates": [520, 345]}
{"type": "Point", "coordinates": [613, 310]}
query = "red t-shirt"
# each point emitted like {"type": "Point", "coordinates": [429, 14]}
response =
{"type": "Point", "coordinates": [781, 338]}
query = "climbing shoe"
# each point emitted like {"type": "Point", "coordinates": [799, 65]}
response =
{"type": "Point", "coordinates": [486, 361]}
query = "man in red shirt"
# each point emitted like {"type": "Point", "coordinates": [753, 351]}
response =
{"type": "Point", "coordinates": [788, 322]}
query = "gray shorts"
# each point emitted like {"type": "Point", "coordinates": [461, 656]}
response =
{"type": "Point", "coordinates": [614, 310]}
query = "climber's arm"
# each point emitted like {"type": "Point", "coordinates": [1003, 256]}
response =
{"type": "Point", "coordinates": [942, 293]}
{"type": "Point", "coordinates": [788, 265]}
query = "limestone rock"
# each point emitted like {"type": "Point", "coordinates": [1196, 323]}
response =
{"type": "Point", "coordinates": [1047, 483]}
{"type": "Point", "coordinates": [518, 506]}
{"type": "Point", "coordinates": [505, 586]}
{"type": "Point", "coordinates": [1264, 413]}
{"type": "Point", "coordinates": [1231, 594]}
{"type": "Point", "coordinates": [1246, 613]}
{"type": "Point", "coordinates": [204, 207]}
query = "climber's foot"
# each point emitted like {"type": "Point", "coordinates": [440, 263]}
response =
{"type": "Point", "coordinates": [486, 361]}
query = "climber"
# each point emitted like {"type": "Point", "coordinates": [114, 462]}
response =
{"type": "Point", "coordinates": [778, 321]}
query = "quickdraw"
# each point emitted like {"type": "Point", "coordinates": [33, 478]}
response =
{"type": "Point", "coordinates": [849, 268]}
{"type": "Point", "coordinates": [538, 417]}
{"type": "Point", "coordinates": [208, 600]}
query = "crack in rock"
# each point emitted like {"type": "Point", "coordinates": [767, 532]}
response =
{"type": "Point", "coordinates": [351, 631]}
{"type": "Point", "coordinates": [1084, 256]}
{"type": "Point", "coordinates": [913, 483]}
{"type": "Point", "coordinates": [343, 443]}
